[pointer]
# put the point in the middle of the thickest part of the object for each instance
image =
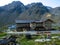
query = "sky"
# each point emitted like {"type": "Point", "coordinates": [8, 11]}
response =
{"type": "Point", "coordinates": [51, 3]}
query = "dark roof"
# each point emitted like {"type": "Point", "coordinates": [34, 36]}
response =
{"type": "Point", "coordinates": [24, 21]}
{"type": "Point", "coordinates": [49, 20]}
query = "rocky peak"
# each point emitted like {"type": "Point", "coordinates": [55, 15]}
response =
{"type": "Point", "coordinates": [13, 5]}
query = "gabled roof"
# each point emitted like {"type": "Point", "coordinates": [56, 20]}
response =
{"type": "Point", "coordinates": [49, 20]}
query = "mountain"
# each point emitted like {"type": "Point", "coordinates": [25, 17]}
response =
{"type": "Point", "coordinates": [35, 11]}
{"type": "Point", "coordinates": [56, 12]}
{"type": "Point", "coordinates": [10, 12]}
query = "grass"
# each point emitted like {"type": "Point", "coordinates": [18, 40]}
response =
{"type": "Point", "coordinates": [2, 34]}
{"type": "Point", "coordinates": [23, 41]}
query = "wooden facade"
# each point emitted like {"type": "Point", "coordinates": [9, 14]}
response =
{"type": "Point", "coordinates": [39, 25]}
{"type": "Point", "coordinates": [22, 26]}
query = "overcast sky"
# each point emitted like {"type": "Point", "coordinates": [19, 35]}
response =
{"type": "Point", "coordinates": [51, 3]}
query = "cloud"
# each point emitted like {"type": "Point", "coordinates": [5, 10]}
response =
{"type": "Point", "coordinates": [4, 2]}
{"type": "Point", "coordinates": [51, 3]}
{"type": "Point", "coordinates": [28, 1]}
